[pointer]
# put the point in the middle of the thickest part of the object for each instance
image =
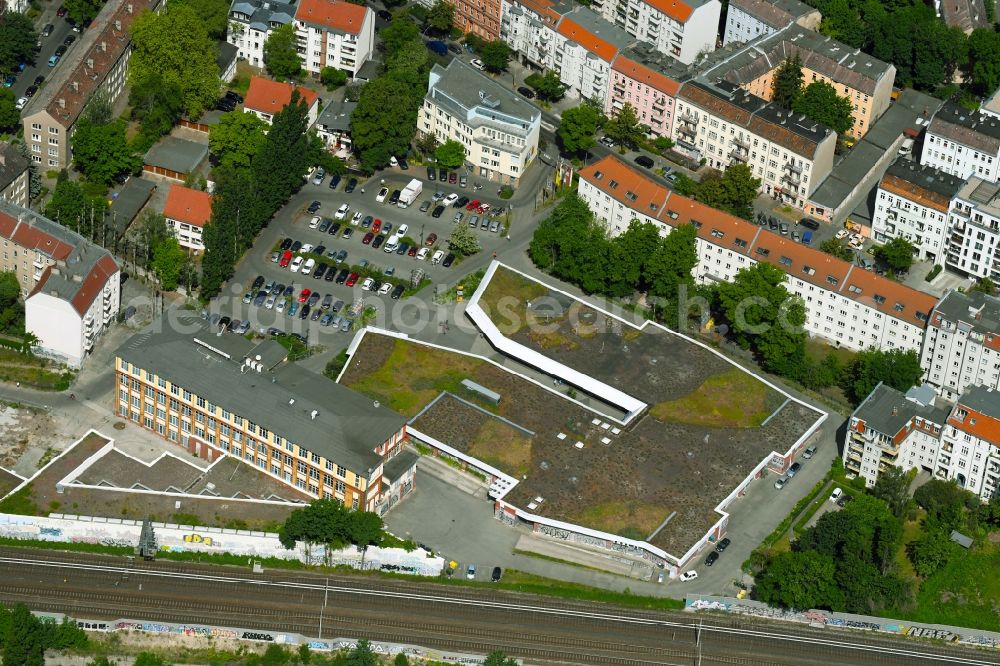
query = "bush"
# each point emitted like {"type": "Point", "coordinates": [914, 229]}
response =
{"type": "Point", "coordinates": [506, 192]}
{"type": "Point", "coordinates": [332, 78]}
{"type": "Point", "coordinates": [933, 272]}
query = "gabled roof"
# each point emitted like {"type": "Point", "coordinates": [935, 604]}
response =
{"type": "Point", "coordinates": [775, 13]}
{"type": "Point", "coordinates": [970, 128]}
{"type": "Point", "coordinates": [924, 185]}
{"type": "Point", "coordinates": [675, 9]}
{"type": "Point", "coordinates": [269, 96]}
{"type": "Point", "coordinates": [187, 205]}
{"type": "Point", "coordinates": [983, 418]}
{"type": "Point", "coordinates": [12, 164]}
{"type": "Point", "coordinates": [572, 30]}
{"type": "Point", "coordinates": [797, 260]}
{"type": "Point", "coordinates": [650, 77]}
{"type": "Point", "coordinates": [344, 17]}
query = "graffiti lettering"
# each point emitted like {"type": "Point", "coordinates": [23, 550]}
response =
{"type": "Point", "coordinates": [257, 636]}
{"type": "Point", "coordinates": [927, 632]}
{"type": "Point", "coordinates": [197, 538]}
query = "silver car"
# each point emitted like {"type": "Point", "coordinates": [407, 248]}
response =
{"type": "Point", "coordinates": [345, 325]}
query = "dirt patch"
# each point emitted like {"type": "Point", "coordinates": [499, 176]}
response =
{"type": "Point", "coordinates": [626, 485]}
{"type": "Point", "coordinates": [22, 428]}
{"type": "Point", "coordinates": [8, 482]}
{"type": "Point", "coordinates": [732, 399]}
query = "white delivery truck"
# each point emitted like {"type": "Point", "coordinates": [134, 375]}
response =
{"type": "Point", "coordinates": [410, 193]}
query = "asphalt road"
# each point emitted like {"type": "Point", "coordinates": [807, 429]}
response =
{"type": "Point", "coordinates": [61, 29]}
{"type": "Point", "coordinates": [470, 619]}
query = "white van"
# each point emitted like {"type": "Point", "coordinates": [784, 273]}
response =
{"type": "Point", "coordinates": [296, 264]}
{"type": "Point", "coordinates": [422, 255]}
{"type": "Point", "coordinates": [391, 244]}
{"type": "Point", "coordinates": [438, 256]}
{"type": "Point", "coordinates": [308, 267]}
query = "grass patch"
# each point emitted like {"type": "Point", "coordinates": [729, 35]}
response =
{"type": "Point", "coordinates": [628, 519]}
{"type": "Point", "coordinates": [47, 457]}
{"type": "Point", "coordinates": [549, 558]}
{"type": "Point", "coordinates": [518, 581]}
{"type": "Point", "coordinates": [21, 503]}
{"type": "Point", "coordinates": [296, 348]}
{"type": "Point", "coordinates": [506, 297]}
{"type": "Point", "coordinates": [499, 444]}
{"type": "Point", "coordinates": [732, 399]}
{"type": "Point", "coordinates": [413, 375]}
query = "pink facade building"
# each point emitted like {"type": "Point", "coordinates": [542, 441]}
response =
{"type": "Point", "coordinates": [650, 92]}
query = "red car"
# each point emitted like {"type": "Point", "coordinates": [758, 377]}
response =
{"type": "Point", "coordinates": [376, 226]}
{"type": "Point", "coordinates": [474, 204]}
{"type": "Point", "coordinates": [412, 252]}
{"type": "Point", "coordinates": [431, 240]}
{"type": "Point", "coordinates": [352, 279]}
{"type": "Point", "coordinates": [304, 296]}
{"type": "Point", "coordinates": [286, 259]}
{"type": "Point", "coordinates": [61, 11]}
{"type": "Point", "coordinates": [368, 238]}
{"type": "Point", "coordinates": [452, 178]}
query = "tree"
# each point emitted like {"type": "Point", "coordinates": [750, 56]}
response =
{"type": "Point", "coordinates": [685, 185]}
{"type": "Point", "coordinates": [441, 16]}
{"type": "Point", "coordinates": [820, 102]}
{"type": "Point", "coordinates": [577, 128]}
{"type": "Point", "coordinates": [800, 580]}
{"type": "Point", "coordinates": [400, 660]}
{"type": "Point", "coordinates": [17, 40]}
{"type": "Point", "coordinates": [81, 11]}
{"type": "Point", "coordinates": [332, 78]}
{"type": "Point", "coordinates": [150, 659]}
{"type": "Point", "coordinates": [463, 242]}
{"type": "Point", "coordinates": [572, 246]}
{"type": "Point", "coordinates": [897, 254]}
{"type": "Point", "coordinates": [498, 658]}
{"type": "Point", "coordinates": [23, 644]}
{"type": "Point", "coordinates": [383, 122]}
{"type": "Point", "coordinates": [71, 207]}
{"type": "Point", "coordinates": [365, 529]}
{"type": "Point", "coordinates": [547, 85]}
{"type": "Point", "coordinates": [834, 247]}
{"type": "Point", "coordinates": [984, 60]}
{"type": "Point", "coordinates": [168, 260]}
{"type": "Point", "coordinates": [174, 46]}
{"type": "Point", "coordinates": [624, 127]}
{"type": "Point", "coordinates": [396, 35]}
{"type": "Point", "coordinates": [941, 498]}
{"type": "Point", "coordinates": [841, 21]}
{"type": "Point", "coordinates": [986, 286]}
{"type": "Point", "coordinates": [362, 655]}
{"type": "Point", "coordinates": [895, 367]}
{"type": "Point", "coordinates": [450, 154]}
{"type": "Point", "coordinates": [11, 307]}
{"type": "Point", "coordinates": [787, 82]}
{"type": "Point", "coordinates": [938, 50]}
{"type": "Point", "coordinates": [237, 138]}
{"type": "Point", "coordinates": [496, 56]}
{"type": "Point", "coordinates": [734, 192]}
{"type": "Point", "coordinates": [214, 14]}
{"type": "Point", "coordinates": [157, 105]}
{"type": "Point", "coordinates": [280, 55]}
{"type": "Point", "coordinates": [101, 152]}
{"type": "Point", "coordinates": [931, 551]}
{"type": "Point", "coordinates": [893, 487]}
{"type": "Point", "coordinates": [765, 317]}
{"type": "Point", "coordinates": [9, 115]}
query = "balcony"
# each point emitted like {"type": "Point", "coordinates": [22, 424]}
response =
{"type": "Point", "coordinates": [688, 117]}
{"type": "Point", "coordinates": [793, 168]}
{"type": "Point", "coordinates": [739, 154]}
{"type": "Point", "coordinates": [792, 178]}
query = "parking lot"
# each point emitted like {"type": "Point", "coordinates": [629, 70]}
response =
{"type": "Point", "coordinates": [293, 222]}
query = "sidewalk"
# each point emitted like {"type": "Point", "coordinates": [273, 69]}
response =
{"type": "Point", "coordinates": [586, 557]}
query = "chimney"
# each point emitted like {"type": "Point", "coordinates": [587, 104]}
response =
{"type": "Point", "coordinates": [90, 63]}
{"type": "Point", "coordinates": [104, 46]}
{"type": "Point", "coordinates": [895, 411]}
{"type": "Point", "coordinates": [62, 102]}
{"type": "Point", "coordinates": [313, 414]}
{"type": "Point", "coordinates": [118, 25]}
{"type": "Point", "coordinates": [76, 86]}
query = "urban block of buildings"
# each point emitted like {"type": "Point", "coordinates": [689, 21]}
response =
{"type": "Point", "coordinates": [747, 20]}
{"type": "Point", "coordinates": [187, 211]}
{"type": "Point", "coordinates": [962, 344]}
{"type": "Point", "coordinates": [910, 431]}
{"type": "Point", "coordinates": [912, 202]}
{"type": "Point", "coordinates": [681, 29]}
{"type": "Point", "coordinates": [251, 22]}
{"type": "Point", "coordinates": [216, 393]}
{"type": "Point", "coordinates": [498, 128]}
{"type": "Point", "coordinates": [102, 67]}
{"type": "Point", "coordinates": [974, 241]}
{"type": "Point", "coordinates": [334, 33]}
{"type": "Point", "coordinates": [265, 98]}
{"type": "Point", "coordinates": [13, 175]}
{"type": "Point", "coordinates": [963, 143]}
{"type": "Point", "coordinates": [845, 305]}
{"type": "Point", "coordinates": [71, 287]}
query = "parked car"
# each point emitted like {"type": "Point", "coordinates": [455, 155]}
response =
{"type": "Point", "coordinates": [809, 223]}
{"type": "Point", "coordinates": [304, 295]}
{"type": "Point", "coordinates": [722, 545]}
{"type": "Point", "coordinates": [377, 241]}
{"type": "Point", "coordinates": [348, 232]}
{"type": "Point", "coordinates": [397, 292]}
{"type": "Point", "coordinates": [478, 64]}
{"type": "Point", "coordinates": [319, 175]}
{"type": "Point", "coordinates": [527, 92]}
{"type": "Point", "coordinates": [462, 201]}
{"type": "Point", "coordinates": [385, 288]}
{"type": "Point", "coordinates": [314, 222]}
{"type": "Point", "coordinates": [324, 226]}
{"type": "Point", "coordinates": [394, 198]}
{"type": "Point", "coordinates": [496, 574]}
{"type": "Point", "coordinates": [382, 194]}
{"type": "Point", "coordinates": [809, 453]}
{"type": "Point", "coordinates": [437, 211]}
{"type": "Point", "coordinates": [351, 184]}
{"type": "Point", "coordinates": [431, 173]}
{"type": "Point", "coordinates": [352, 279]}
{"type": "Point", "coordinates": [343, 275]}
{"type": "Point", "coordinates": [712, 557]}
{"type": "Point", "coordinates": [403, 164]}
{"type": "Point", "coordinates": [780, 483]}
{"type": "Point", "coordinates": [688, 575]}
{"type": "Point", "coordinates": [471, 572]}
{"type": "Point", "coordinates": [367, 222]}
{"type": "Point", "coordinates": [794, 469]}
{"type": "Point", "coordinates": [431, 240]}
{"type": "Point", "coordinates": [452, 178]}
{"type": "Point", "coordinates": [334, 229]}
{"type": "Point", "coordinates": [835, 495]}
{"type": "Point", "coordinates": [342, 211]}
{"type": "Point", "coordinates": [296, 264]}
{"type": "Point", "coordinates": [450, 199]}
{"type": "Point", "coordinates": [425, 206]}
{"type": "Point", "coordinates": [314, 206]}
{"type": "Point", "coordinates": [644, 161]}
{"type": "Point", "coordinates": [448, 260]}
{"type": "Point", "coordinates": [334, 181]}
{"type": "Point", "coordinates": [376, 226]}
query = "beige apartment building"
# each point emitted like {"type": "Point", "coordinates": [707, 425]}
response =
{"type": "Point", "coordinates": [100, 66]}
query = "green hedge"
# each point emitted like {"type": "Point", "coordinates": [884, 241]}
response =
{"type": "Point", "coordinates": [933, 273]}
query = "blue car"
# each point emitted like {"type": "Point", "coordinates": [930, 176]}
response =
{"type": "Point", "coordinates": [293, 308]}
{"type": "Point", "coordinates": [53, 60]}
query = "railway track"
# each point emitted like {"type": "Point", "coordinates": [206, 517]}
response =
{"type": "Point", "coordinates": [539, 630]}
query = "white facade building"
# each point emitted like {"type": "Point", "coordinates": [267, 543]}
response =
{"type": "Point", "coordinates": [974, 244]}
{"type": "Point", "coordinates": [970, 443]}
{"type": "Point", "coordinates": [251, 22]}
{"type": "Point", "coordinates": [963, 143]}
{"type": "Point", "coordinates": [845, 305]}
{"type": "Point", "coordinates": [912, 202]}
{"type": "Point", "coordinates": [682, 30]}
{"type": "Point", "coordinates": [962, 344]}
{"type": "Point", "coordinates": [70, 286]}
{"type": "Point", "coordinates": [724, 124]}
{"type": "Point", "coordinates": [746, 20]}
{"type": "Point", "coordinates": [498, 128]}
{"type": "Point", "coordinates": [334, 33]}
{"type": "Point", "coordinates": [186, 212]}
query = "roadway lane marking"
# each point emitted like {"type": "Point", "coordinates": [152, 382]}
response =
{"type": "Point", "coordinates": [497, 605]}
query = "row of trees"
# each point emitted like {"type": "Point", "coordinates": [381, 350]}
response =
{"type": "Point", "coordinates": [908, 34]}
{"type": "Point", "coordinates": [848, 560]}
{"type": "Point", "coordinates": [819, 100]}
{"type": "Point", "coordinates": [330, 523]}
{"type": "Point", "coordinates": [579, 126]}
{"type": "Point", "coordinates": [25, 638]}
{"type": "Point", "coordinates": [17, 41]}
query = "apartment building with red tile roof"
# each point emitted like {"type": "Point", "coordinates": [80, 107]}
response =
{"type": "Point", "coordinates": [265, 98]}
{"type": "Point", "coordinates": [334, 33]}
{"type": "Point", "coordinates": [681, 29]}
{"type": "Point", "coordinates": [70, 286]}
{"type": "Point", "coordinates": [187, 211]}
{"type": "Point", "coordinates": [845, 304]}
{"type": "Point", "coordinates": [98, 63]}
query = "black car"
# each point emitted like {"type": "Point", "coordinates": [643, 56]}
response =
{"type": "Point", "coordinates": [60, 50]}
{"type": "Point", "coordinates": [258, 282]}
{"type": "Point", "coordinates": [527, 92]}
{"type": "Point", "coordinates": [384, 15]}
{"type": "Point", "coordinates": [454, 48]}
{"type": "Point", "coordinates": [314, 206]}
{"type": "Point", "coordinates": [341, 256]}
{"type": "Point", "coordinates": [234, 96]}
{"type": "Point", "coordinates": [351, 184]}
{"type": "Point", "coordinates": [809, 223]}
{"type": "Point", "coordinates": [377, 241]}
{"type": "Point", "coordinates": [334, 228]}
{"type": "Point", "coordinates": [460, 202]}
{"type": "Point", "coordinates": [319, 249]}
{"type": "Point", "coordinates": [224, 322]}
{"type": "Point", "coordinates": [225, 105]}
{"type": "Point", "coordinates": [296, 246]}
{"type": "Point", "coordinates": [285, 244]}
{"type": "Point", "coordinates": [397, 292]}
{"type": "Point", "coordinates": [794, 469]}
{"type": "Point", "coordinates": [324, 226]}
{"type": "Point", "coordinates": [394, 197]}
{"type": "Point", "coordinates": [448, 260]}
{"type": "Point", "coordinates": [403, 164]}
{"type": "Point", "coordinates": [431, 173]}
{"type": "Point", "coordinates": [497, 573]}
{"type": "Point", "coordinates": [320, 271]}
{"type": "Point", "coordinates": [304, 312]}
{"type": "Point", "coordinates": [403, 247]}
{"type": "Point", "coordinates": [443, 175]}
{"type": "Point", "coordinates": [289, 290]}
{"type": "Point", "coordinates": [644, 161]}
{"type": "Point", "coordinates": [259, 298]}
{"type": "Point", "coordinates": [342, 275]}
{"type": "Point", "coordinates": [348, 232]}
{"type": "Point", "coordinates": [38, 80]}
{"type": "Point", "coordinates": [69, 40]}
{"type": "Point", "coordinates": [30, 92]}
{"type": "Point", "coordinates": [331, 274]}
{"type": "Point", "coordinates": [722, 545]}
{"type": "Point", "coordinates": [275, 331]}
{"type": "Point", "coordinates": [438, 211]}
{"type": "Point", "coordinates": [334, 181]}
{"type": "Point", "coordinates": [712, 557]}
{"type": "Point", "coordinates": [772, 223]}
